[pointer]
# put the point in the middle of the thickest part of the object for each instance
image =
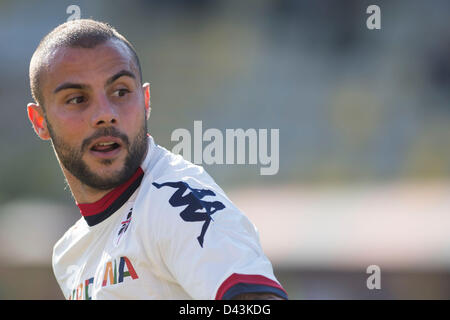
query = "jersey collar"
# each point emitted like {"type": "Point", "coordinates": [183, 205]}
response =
{"type": "Point", "coordinates": [98, 211]}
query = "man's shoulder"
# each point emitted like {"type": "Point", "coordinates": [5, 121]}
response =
{"type": "Point", "coordinates": [162, 162]}
{"type": "Point", "coordinates": [170, 182]}
{"type": "Point", "coordinates": [165, 166]}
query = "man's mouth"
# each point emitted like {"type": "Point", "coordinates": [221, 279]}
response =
{"type": "Point", "coordinates": [106, 147]}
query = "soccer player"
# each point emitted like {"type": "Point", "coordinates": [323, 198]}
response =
{"type": "Point", "coordinates": [153, 225]}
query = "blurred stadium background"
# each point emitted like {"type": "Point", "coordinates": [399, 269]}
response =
{"type": "Point", "coordinates": [364, 119]}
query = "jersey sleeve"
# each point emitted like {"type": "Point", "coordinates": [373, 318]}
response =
{"type": "Point", "coordinates": [208, 245]}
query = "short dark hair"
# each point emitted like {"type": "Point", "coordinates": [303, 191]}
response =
{"type": "Point", "coordinates": [81, 33]}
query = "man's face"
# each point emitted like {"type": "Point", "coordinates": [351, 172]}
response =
{"type": "Point", "coordinates": [96, 112]}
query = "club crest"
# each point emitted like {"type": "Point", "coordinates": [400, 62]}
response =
{"type": "Point", "coordinates": [123, 227]}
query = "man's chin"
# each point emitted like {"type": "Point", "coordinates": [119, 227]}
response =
{"type": "Point", "coordinates": [105, 181]}
{"type": "Point", "coordinates": [103, 172]}
{"type": "Point", "coordinates": [104, 165]}
{"type": "Point", "coordinates": [103, 175]}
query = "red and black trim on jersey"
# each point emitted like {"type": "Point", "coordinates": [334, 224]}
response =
{"type": "Point", "coordinates": [98, 211]}
{"type": "Point", "coordinates": [248, 283]}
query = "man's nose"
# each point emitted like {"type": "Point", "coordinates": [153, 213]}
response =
{"type": "Point", "coordinates": [105, 113]}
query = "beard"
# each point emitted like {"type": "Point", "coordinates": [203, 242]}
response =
{"type": "Point", "coordinates": [72, 158]}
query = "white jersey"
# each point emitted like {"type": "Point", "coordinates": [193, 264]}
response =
{"type": "Point", "coordinates": [169, 232]}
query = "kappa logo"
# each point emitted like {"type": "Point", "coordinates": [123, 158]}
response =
{"type": "Point", "coordinates": [123, 227]}
{"type": "Point", "coordinates": [194, 203]}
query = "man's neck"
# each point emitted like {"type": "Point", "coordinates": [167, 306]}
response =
{"type": "Point", "coordinates": [83, 193]}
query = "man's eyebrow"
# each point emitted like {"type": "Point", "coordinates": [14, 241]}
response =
{"type": "Point", "coordinates": [119, 74]}
{"type": "Point", "coordinates": [69, 85]}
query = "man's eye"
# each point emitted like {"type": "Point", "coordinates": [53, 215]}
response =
{"type": "Point", "coordinates": [76, 100]}
{"type": "Point", "coordinates": [120, 92]}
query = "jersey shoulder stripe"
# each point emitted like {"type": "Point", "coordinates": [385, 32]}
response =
{"type": "Point", "coordinates": [245, 283]}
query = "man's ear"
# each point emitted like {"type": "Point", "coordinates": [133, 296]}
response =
{"type": "Point", "coordinates": [37, 119]}
{"type": "Point", "coordinates": [148, 108]}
